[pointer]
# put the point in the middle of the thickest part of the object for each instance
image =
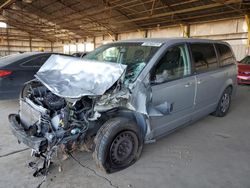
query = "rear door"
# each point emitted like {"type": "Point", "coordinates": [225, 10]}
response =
{"type": "Point", "coordinates": [208, 77]}
{"type": "Point", "coordinates": [172, 85]}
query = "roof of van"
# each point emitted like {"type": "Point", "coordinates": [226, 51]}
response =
{"type": "Point", "coordinates": [166, 40]}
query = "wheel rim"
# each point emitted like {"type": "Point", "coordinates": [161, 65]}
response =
{"type": "Point", "coordinates": [123, 148]}
{"type": "Point", "coordinates": [225, 101]}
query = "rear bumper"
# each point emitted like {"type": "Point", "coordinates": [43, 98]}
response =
{"type": "Point", "coordinates": [17, 129]}
{"type": "Point", "coordinates": [243, 79]}
{"type": "Point", "coordinates": [8, 90]}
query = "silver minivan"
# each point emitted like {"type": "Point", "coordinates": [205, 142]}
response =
{"type": "Point", "coordinates": [122, 95]}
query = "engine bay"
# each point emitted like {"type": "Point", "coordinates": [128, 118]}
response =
{"type": "Point", "coordinates": [57, 122]}
{"type": "Point", "coordinates": [49, 123]}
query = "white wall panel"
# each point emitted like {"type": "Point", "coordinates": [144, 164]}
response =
{"type": "Point", "coordinates": [132, 35]}
{"type": "Point", "coordinates": [214, 28]}
{"type": "Point", "coordinates": [233, 31]}
{"type": "Point", "coordinates": [239, 47]}
{"type": "Point", "coordinates": [166, 33]}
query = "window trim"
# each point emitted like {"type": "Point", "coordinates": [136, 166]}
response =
{"type": "Point", "coordinates": [162, 55]}
{"type": "Point", "coordinates": [192, 58]}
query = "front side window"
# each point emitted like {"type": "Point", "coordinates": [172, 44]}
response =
{"type": "Point", "coordinates": [204, 57]}
{"type": "Point", "coordinates": [134, 55]}
{"type": "Point", "coordinates": [173, 65]}
{"type": "Point", "coordinates": [225, 55]}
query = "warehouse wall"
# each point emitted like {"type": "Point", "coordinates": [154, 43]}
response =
{"type": "Point", "coordinates": [13, 41]}
{"type": "Point", "coordinates": [232, 31]}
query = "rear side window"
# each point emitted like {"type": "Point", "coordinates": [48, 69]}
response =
{"type": "Point", "coordinates": [226, 56]}
{"type": "Point", "coordinates": [36, 61]}
{"type": "Point", "coordinates": [204, 57]}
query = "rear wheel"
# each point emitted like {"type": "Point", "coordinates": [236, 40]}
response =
{"type": "Point", "coordinates": [224, 103]}
{"type": "Point", "coordinates": [118, 144]}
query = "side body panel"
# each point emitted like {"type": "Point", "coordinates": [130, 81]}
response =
{"type": "Point", "coordinates": [208, 91]}
{"type": "Point", "coordinates": [180, 94]}
{"type": "Point", "coordinates": [190, 103]}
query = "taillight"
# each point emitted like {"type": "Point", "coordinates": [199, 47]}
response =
{"type": "Point", "coordinates": [4, 73]}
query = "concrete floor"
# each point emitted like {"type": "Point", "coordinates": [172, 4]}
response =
{"type": "Point", "coordinates": [214, 152]}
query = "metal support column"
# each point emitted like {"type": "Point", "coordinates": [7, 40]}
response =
{"type": "Point", "coordinates": [85, 46]}
{"type": "Point", "coordinates": [51, 46]}
{"type": "Point", "coordinates": [94, 41]}
{"type": "Point", "coordinates": [116, 37]}
{"type": "Point", "coordinates": [185, 29]}
{"type": "Point", "coordinates": [146, 33]}
{"type": "Point", "coordinates": [30, 43]}
{"type": "Point", "coordinates": [247, 18]}
{"type": "Point", "coordinates": [8, 41]}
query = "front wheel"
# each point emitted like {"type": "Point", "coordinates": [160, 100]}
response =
{"type": "Point", "coordinates": [224, 103]}
{"type": "Point", "coordinates": [118, 144]}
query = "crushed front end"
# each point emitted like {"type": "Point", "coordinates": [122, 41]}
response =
{"type": "Point", "coordinates": [46, 121]}
{"type": "Point", "coordinates": [59, 108]}
{"type": "Point", "coordinates": [64, 108]}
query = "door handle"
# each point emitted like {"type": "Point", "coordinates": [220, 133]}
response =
{"type": "Point", "coordinates": [188, 84]}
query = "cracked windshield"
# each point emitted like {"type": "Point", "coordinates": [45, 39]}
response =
{"type": "Point", "coordinates": [134, 55]}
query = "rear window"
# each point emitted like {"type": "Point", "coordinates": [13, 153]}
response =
{"type": "Point", "coordinates": [7, 60]}
{"type": "Point", "coordinates": [36, 61]}
{"type": "Point", "coordinates": [245, 61]}
{"type": "Point", "coordinates": [204, 57]}
{"type": "Point", "coordinates": [226, 56]}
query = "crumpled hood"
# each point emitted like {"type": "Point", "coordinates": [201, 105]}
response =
{"type": "Point", "coordinates": [72, 77]}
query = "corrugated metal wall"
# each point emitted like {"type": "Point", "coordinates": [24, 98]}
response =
{"type": "Point", "coordinates": [232, 31]}
{"type": "Point", "coordinates": [13, 41]}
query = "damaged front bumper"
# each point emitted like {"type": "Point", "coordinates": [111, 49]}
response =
{"type": "Point", "coordinates": [36, 143]}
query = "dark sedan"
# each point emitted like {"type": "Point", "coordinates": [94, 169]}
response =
{"type": "Point", "coordinates": [17, 69]}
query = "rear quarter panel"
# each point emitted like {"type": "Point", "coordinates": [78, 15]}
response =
{"type": "Point", "coordinates": [10, 86]}
{"type": "Point", "coordinates": [230, 79]}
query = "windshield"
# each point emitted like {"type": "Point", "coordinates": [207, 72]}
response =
{"type": "Point", "coordinates": [134, 55]}
{"type": "Point", "coordinates": [246, 60]}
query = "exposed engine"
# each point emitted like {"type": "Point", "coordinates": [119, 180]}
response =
{"type": "Point", "coordinates": [49, 116]}
{"type": "Point", "coordinates": [47, 122]}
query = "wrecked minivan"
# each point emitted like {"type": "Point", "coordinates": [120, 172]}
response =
{"type": "Point", "coordinates": [122, 95]}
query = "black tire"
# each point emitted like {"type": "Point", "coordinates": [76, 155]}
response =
{"type": "Point", "coordinates": [224, 103]}
{"type": "Point", "coordinates": [118, 144]}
